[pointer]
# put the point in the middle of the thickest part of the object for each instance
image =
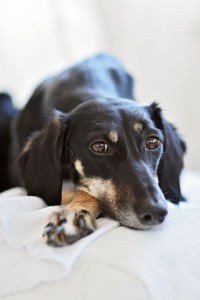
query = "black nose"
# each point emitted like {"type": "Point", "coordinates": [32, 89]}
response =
{"type": "Point", "coordinates": [152, 215]}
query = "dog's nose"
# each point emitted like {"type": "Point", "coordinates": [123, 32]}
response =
{"type": "Point", "coordinates": [152, 215]}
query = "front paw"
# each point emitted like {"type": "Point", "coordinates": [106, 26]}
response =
{"type": "Point", "coordinates": [67, 226]}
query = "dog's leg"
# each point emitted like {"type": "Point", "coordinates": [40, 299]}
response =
{"type": "Point", "coordinates": [67, 196]}
{"type": "Point", "coordinates": [73, 221]}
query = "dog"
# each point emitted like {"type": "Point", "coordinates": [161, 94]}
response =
{"type": "Point", "coordinates": [84, 124]}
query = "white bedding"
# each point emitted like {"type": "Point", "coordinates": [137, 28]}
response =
{"type": "Point", "coordinates": [129, 264]}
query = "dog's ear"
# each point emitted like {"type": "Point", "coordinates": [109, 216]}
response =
{"type": "Point", "coordinates": [171, 162]}
{"type": "Point", "coordinates": [40, 161]}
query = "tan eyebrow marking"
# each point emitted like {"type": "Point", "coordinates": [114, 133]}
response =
{"type": "Point", "coordinates": [138, 127]}
{"type": "Point", "coordinates": [113, 136]}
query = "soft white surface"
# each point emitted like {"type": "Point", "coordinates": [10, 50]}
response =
{"type": "Point", "coordinates": [122, 264]}
{"type": "Point", "coordinates": [25, 259]}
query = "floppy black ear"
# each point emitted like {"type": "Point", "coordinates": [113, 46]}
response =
{"type": "Point", "coordinates": [171, 162]}
{"type": "Point", "coordinates": [40, 161]}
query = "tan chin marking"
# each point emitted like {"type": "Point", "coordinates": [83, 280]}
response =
{"type": "Point", "coordinates": [138, 127]}
{"type": "Point", "coordinates": [100, 188]}
{"type": "Point", "coordinates": [113, 136]}
{"type": "Point", "coordinates": [79, 167]}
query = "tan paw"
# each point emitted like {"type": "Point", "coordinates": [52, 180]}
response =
{"type": "Point", "coordinates": [67, 226]}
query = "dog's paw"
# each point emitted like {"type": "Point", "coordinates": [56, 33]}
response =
{"type": "Point", "coordinates": [67, 226]}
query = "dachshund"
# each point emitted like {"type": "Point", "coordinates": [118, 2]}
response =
{"type": "Point", "coordinates": [84, 124]}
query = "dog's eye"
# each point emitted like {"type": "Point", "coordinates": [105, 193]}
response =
{"type": "Point", "coordinates": [99, 147]}
{"type": "Point", "coordinates": [152, 143]}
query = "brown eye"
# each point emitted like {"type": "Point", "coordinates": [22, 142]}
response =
{"type": "Point", "coordinates": [152, 143]}
{"type": "Point", "coordinates": [100, 147]}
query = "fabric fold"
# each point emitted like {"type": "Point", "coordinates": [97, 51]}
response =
{"type": "Point", "coordinates": [25, 259]}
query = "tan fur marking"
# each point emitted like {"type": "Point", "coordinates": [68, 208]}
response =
{"type": "Point", "coordinates": [138, 127]}
{"type": "Point", "coordinates": [85, 201]}
{"type": "Point", "coordinates": [113, 136]}
{"type": "Point", "coordinates": [79, 167]}
{"type": "Point", "coordinates": [101, 189]}
{"type": "Point", "coordinates": [67, 196]}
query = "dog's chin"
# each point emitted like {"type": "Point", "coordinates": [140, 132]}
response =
{"type": "Point", "coordinates": [136, 225]}
{"type": "Point", "coordinates": [131, 220]}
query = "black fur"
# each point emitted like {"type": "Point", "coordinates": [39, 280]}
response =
{"type": "Point", "coordinates": [172, 163]}
{"type": "Point", "coordinates": [7, 113]}
{"type": "Point", "coordinates": [45, 165]}
{"type": "Point", "coordinates": [58, 137]}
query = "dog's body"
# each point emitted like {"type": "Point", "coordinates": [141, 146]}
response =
{"type": "Point", "coordinates": [84, 124]}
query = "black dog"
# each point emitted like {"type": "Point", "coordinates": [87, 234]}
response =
{"type": "Point", "coordinates": [84, 124]}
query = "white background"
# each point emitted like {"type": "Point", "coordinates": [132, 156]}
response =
{"type": "Point", "coordinates": [158, 41]}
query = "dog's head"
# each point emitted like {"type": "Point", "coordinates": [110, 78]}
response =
{"type": "Point", "coordinates": [125, 155]}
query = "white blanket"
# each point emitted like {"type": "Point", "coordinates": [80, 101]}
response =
{"type": "Point", "coordinates": [25, 259]}
{"type": "Point", "coordinates": [158, 264]}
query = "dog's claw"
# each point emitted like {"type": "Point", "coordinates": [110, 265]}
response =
{"type": "Point", "coordinates": [81, 221]}
{"type": "Point", "coordinates": [66, 227]}
{"type": "Point", "coordinates": [48, 229]}
{"type": "Point", "coordinates": [59, 229]}
{"type": "Point", "coordinates": [63, 221]}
